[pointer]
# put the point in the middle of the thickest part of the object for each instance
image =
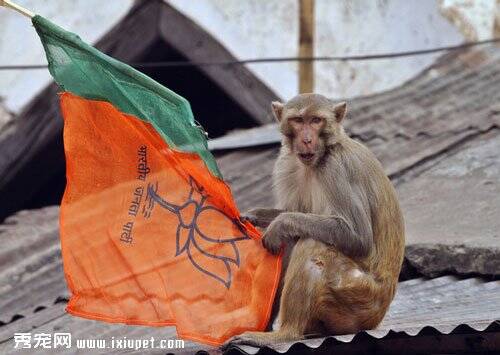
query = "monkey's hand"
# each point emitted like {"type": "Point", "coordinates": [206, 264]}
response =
{"type": "Point", "coordinates": [260, 217]}
{"type": "Point", "coordinates": [275, 235]}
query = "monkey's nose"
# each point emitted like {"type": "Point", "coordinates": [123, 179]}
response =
{"type": "Point", "coordinates": [307, 141]}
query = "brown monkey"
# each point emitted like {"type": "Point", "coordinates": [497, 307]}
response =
{"type": "Point", "coordinates": [341, 211]}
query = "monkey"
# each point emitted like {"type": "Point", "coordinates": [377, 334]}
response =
{"type": "Point", "coordinates": [338, 216]}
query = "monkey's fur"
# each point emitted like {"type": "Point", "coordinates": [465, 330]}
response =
{"type": "Point", "coordinates": [339, 215]}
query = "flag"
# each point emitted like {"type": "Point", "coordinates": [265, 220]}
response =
{"type": "Point", "coordinates": [150, 233]}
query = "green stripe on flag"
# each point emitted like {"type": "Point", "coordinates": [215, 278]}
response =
{"type": "Point", "coordinates": [84, 71]}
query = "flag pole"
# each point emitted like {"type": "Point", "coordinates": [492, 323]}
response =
{"type": "Point", "coordinates": [15, 7]}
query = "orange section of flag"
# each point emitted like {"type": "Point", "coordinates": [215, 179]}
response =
{"type": "Point", "coordinates": [149, 236]}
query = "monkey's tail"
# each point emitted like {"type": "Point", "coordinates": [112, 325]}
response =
{"type": "Point", "coordinates": [260, 339]}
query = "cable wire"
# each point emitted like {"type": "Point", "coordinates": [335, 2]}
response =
{"type": "Point", "coordinates": [282, 59]}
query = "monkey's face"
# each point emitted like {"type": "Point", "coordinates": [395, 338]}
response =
{"type": "Point", "coordinates": [309, 123]}
{"type": "Point", "coordinates": [304, 135]}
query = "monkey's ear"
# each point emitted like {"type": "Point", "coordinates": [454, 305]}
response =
{"type": "Point", "coordinates": [277, 109]}
{"type": "Point", "coordinates": [339, 110]}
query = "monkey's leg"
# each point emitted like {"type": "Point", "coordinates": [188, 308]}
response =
{"type": "Point", "coordinates": [297, 313]}
{"type": "Point", "coordinates": [353, 300]}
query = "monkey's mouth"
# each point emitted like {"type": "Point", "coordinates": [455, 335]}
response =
{"type": "Point", "coordinates": [307, 157]}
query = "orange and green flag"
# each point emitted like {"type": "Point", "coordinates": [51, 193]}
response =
{"type": "Point", "coordinates": [150, 233]}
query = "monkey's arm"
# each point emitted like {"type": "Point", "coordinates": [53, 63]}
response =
{"type": "Point", "coordinates": [261, 217]}
{"type": "Point", "coordinates": [353, 238]}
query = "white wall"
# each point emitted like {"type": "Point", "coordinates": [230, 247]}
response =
{"type": "Point", "coordinates": [364, 27]}
{"type": "Point", "coordinates": [261, 28]}
{"type": "Point", "coordinates": [255, 28]}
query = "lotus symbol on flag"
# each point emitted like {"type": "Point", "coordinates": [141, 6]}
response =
{"type": "Point", "coordinates": [191, 239]}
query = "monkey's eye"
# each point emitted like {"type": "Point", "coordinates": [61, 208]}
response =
{"type": "Point", "coordinates": [296, 119]}
{"type": "Point", "coordinates": [316, 120]}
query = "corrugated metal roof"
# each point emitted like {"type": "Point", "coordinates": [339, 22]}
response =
{"type": "Point", "coordinates": [442, 303]}
{"type": "Point", "coordinates": [31, 274]}
{"type": "Point", "coordinates": [33, 290]}
{"type": "Point", "coordinates": [462, 340]}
